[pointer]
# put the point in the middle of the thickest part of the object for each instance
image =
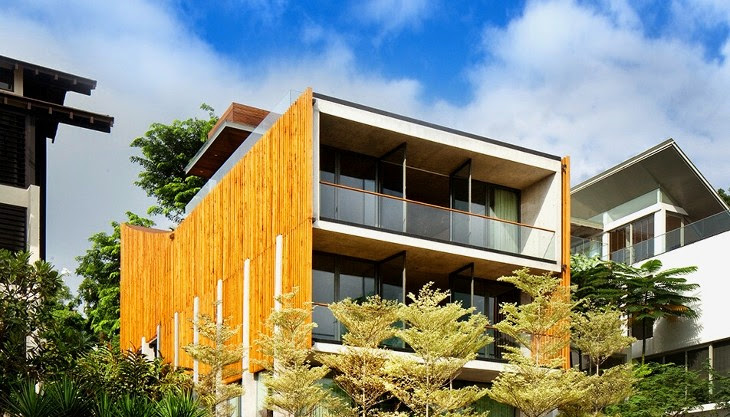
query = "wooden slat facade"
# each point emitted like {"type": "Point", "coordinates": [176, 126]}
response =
{"type": "Point", "coordinates": [267, 193]}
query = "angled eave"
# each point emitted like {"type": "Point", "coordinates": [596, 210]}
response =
{"type": "Point", "coordinates": [56, 113]}
{"type": "Point", "coordinates": [65, 80]}
{"type": "Point", "coordinates": [233, 127]}
{"type": "Point", "coordinates": [663, 166]}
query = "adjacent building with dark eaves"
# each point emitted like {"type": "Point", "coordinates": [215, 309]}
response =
{"type": "Point", "coordinates": [31, 107]}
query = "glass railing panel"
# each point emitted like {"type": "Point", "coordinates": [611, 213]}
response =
{"type": "Point", "coordinates": [587, 247]}
{"type": "Point", "coordinates": [674, 239]}
{"type": "Point", "coordinates": [428, 221]}
{"type": "Point", "coordinates": [432, 222]}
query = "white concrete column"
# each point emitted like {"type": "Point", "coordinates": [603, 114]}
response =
{"type": "Point", "coordinates": [158, 331]}
{"type": "Point", "coordinates": [660, 230]}
{"type": "Point", "coordinates": [176, 340]}
{"type": "Point", "coordinates": [34, 222]}
{"type": "Point", "coordinates": [279, 254]}
{"type": "Point", "coordinates": [196, 335]}
{"type": "Point", "coordinates": [249, 406]}
{"type": "Point", "coordinates": [219, 304]}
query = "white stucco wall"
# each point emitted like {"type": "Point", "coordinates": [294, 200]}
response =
{"type": "Point", "coordinates": [714, 280]}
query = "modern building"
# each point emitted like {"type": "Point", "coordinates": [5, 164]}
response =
{"type": "Point", "coordinates": [342, 200]}
{"type": "Point", "coordinates": [657, 205]}
{"type": "Point", "coordinates": [31, 107]}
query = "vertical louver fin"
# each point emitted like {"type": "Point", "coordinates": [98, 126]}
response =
{"type": "Point", "coordinates": [13, 227]}
{"type": "Point", "coordinates": [12, 149]}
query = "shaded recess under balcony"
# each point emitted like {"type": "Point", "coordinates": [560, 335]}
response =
{"type": "Point", "coordinates": [376, 178]}
{"type": "Point", "coordinates": [337, 277]}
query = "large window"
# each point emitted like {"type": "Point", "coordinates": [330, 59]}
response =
{"type": "Point", "coordinates": [335, 278]}
{"type": "Point", "coordinates": [385, 193]}
{"type": "Point", "coordinates": [486, 296]}
{"type": "Point", "coordinates": [633, 242]}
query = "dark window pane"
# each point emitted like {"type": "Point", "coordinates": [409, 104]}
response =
{"type": "Point", "coordinates": [391, 278]}
{"type": "Point", "coordinates": [6, 79]}
{"type": "Point", "coordinates": [323, 291]}
{"type": "Point", "coordinates": [675, 358]}
{"type": "Point", "coordinates": [721, 357]}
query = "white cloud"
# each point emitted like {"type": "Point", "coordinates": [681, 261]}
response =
{"type": "Point", "coordinates": [572, 80]}
{"type": "Point", "coordinates": [561, 78]}
{"type": "Point", "coordinates": [151, 69]}
{"type": "Point", "coordinates": [394, 15]}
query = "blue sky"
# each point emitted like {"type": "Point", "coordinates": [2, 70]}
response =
{"type": "Point", "coordinates": [597, 80]}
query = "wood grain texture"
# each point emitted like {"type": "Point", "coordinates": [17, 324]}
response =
{"type": "Point", "coordinates": [267, 193]}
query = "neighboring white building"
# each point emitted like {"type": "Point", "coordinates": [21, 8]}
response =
{"type": "Point", "coordinates": [658, 205]}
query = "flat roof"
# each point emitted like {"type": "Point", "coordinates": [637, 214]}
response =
{"type": "Point", "coordinates": [232, 128]}
{"type": "Point", "coordinates": [435, 126]}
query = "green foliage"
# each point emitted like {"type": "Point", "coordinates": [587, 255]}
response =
{"type": "Point", "coordinates": [537, 383]}
{"type": "Point", "coordinates": [652, 294]}
{"type": "Point", "coordinates": [67, 399]}
{"type": "Point", "coordinates": [212, 390]}
{"type": "Point", "coordinates": [444, 338]}
{"type": "Point", "coordinates": [598, 333]}
{"type": "Point", "coordinates": [24, 401]}
{"type": "Point", "coordinates": [180, 405]}
{"type": "Point", "coordinates": [595, 282]}
{"type": "Point", "coordinates": [600, 391]}
{"type": "Point", "coordinates": [99, 289]}
{"type": "Point", "coordinates": [166, 150]}
{"type": "Point", "coordinates": [663, 390]}
{"type": "Point", "coordinates": [115, 374]}
{"type": "Point", "coordinates": [724, 194]}
{"type": "Point", "coordinates": [41, 334]}
{"type": "Point", "coordinates": [541, 326]}
{"type": "Point", "coordinates": [291, 380]}
{"type": "Point", "coordinates": [361, 364]}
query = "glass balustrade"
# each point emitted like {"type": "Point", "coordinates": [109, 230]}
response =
{"type": "Point", "coordinates": [640, 251]}
{"type": "Point", "coordinates": [365, 208]}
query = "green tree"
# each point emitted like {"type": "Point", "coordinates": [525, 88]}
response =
{"type": "Point", "coordinates": [598, 333]}
{"type": "Point", "coordinates": [651, 294]}
{"type": "Point", "coordinates": [595, 281]}
{"type": "Point", "coordinates": [113, 374]}
{"type": "Point", "coordinates": [663, 390]}
{"type": "Point", "coordinates": [99, 290]}
{"type": "Point", "coordinates": [41, 334]}
{"type": "Point", "coordinates": [725, 195]}
{"type": "Point", "coordinates": [212, 389]}
{"type": "Point", "coordinates": [360, 365]}
{"type": "Point", "coordinates": [291, 380]}
{"type": "Point", "coordinates": [537, 383]}
{"type": "Point", "coordinates": [166, 150]}
{"type": "Point", "coordinates": [443, 338]}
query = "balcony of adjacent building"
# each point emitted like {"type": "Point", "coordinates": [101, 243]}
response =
{"type": "Point", "coordinates": [373, 179]}
{"type": "Point", "coordinates": [336, 277]}
{"type": "Point", "coordinates": [644, 227]}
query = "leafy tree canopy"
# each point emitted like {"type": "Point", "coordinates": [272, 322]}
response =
{"type": "Point", "coordinates": [41, 334]}
{"type": "Point", "coordinates": [99, 289]}
{"type": "Point", "coordinates": [166, 150]}
{"type": "Point", "coordinates": [725, 194]}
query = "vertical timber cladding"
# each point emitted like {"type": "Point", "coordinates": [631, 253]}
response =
{"type": "Point", "coordinates": [267, 193]}
{"type": "Point", "coordinates": [145, 278]}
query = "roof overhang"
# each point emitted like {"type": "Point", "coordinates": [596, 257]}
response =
{"type": "Point", "coordinates": [664, 166]}
{"type": "Point", "coordinates": [56, 113]}
{"type": "Point", "coordinates": [233, 127]}
{"type": "Point", "coordinates": [68, 82]}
